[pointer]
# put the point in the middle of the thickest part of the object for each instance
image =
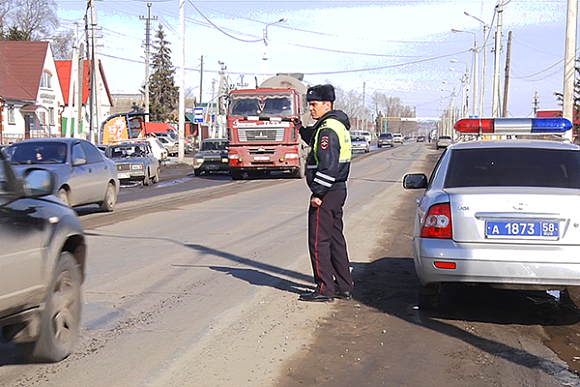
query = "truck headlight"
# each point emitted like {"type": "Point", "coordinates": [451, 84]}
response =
{"type": "Point", "coordinates": [200, 161]}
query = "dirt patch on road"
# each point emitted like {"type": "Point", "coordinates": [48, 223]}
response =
{"type": "Point", "coordinates": [490, 338]}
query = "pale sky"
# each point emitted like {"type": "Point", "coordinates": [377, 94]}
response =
{"type": "Point", "coordinates": [401, 48]}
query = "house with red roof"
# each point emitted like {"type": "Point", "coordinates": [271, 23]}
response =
{"type": "Point", "coordinates": [30, 95]}
{"type": "Point", "coordinates": [79, 109]}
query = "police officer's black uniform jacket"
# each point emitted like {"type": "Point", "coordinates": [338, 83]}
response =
{"type": "Point", "coordinates": [325, 169]}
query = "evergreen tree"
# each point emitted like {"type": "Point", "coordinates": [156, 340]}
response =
{"type": "Point", "coordinates": [163, 93]}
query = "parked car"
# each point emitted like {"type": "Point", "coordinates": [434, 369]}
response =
{"type": "Point", "coordinates": [362, 133]}
{"type": "Point", "coordinates": [135, 162]}
{"type": "Point", "coordinates": [498, 212]}
{"type": "Point", "coordinates": [420, 138]}
{"type": "Point", "coordinates": [169, 144]}
{"type": "Point", "coordinates": [359, 143]}
{"type": "Point", "coordinates": [398, 138]}
{"type": "Point", "coordinates": [443, 142]}
{"type": "Point", "coordinates": [212, 156]}
{"type": "Point", "coordinates": [83, 174]}
{"type": "Point", "coordinates": [187, 145]}
{"type": "Point", "coordinates": [385, 139]}
{"type": "Point", "coordinates": [42, 264]}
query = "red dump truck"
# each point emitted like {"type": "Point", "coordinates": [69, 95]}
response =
{"type": "Point", "coordinates": [262, 131]}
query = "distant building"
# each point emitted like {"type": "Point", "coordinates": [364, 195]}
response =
{"type": "Point", "coordinates": [31, 99]}
{"type": "Point", "coordinates": [81, 109]}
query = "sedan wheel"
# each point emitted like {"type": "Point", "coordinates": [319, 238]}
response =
{"type": "Point", "coordinates": [63, 196]}
{"type": "Point", "coordinates": [110, 199]}
{"type": "Point", "coordinates": [59, 325]}
{"type": "Point", "coordinates": [156, 177]}
{"type": "Point", "coordinates": [147, 178]}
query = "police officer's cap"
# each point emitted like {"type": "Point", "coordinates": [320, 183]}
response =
{"type": "Point", "coordinates": [321, 93]}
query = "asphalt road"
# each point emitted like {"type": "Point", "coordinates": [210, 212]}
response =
{"type": "Point", "coordinates": [194, 282]}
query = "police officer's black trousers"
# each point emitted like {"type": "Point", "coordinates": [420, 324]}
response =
{"type": "Point", "coordinates": [327, 245]}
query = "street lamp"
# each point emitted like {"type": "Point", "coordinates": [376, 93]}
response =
{"type": "Point", "coordinates": [483, 47]}
{"type": "Point", "coordinates": [265, 39]}
{"type": "Point", "coordinates": [474, 76]}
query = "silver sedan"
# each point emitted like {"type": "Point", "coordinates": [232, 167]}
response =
{"type": "Point", "coordinates": [501, 212]}
{"type": "Point", "coordinates": [83, 174]}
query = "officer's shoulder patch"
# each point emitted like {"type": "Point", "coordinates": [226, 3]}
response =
{"type": "Point", "coordinates": [324, 141]}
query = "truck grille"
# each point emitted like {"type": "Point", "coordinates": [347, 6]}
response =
{"type": "Point", "coordinates": [276, 134]}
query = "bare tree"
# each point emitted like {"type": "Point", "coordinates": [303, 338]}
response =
{"type": "Point", "coordinates": [5, 7]}
{"type": "Point", "coordinates": [61, 45]}
{"type": "Point", "coordinates": [349, 102]}
{"type": "Point", "coordinates": [390, 106]}
{"type": "Point", "coordinates": [37, 19]}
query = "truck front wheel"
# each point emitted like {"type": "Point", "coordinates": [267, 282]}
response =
{"type": "Point", "coordinates": [236, 175]}
{"type": "Point", "coordinates": [301, 170]}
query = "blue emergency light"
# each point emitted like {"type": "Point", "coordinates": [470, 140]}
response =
{"type": "Point", "coordinates": [555, 125]}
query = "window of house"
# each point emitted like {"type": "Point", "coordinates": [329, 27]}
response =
{"type": "Point", "coordinates": [42, 118]}
{"type": "Point", "coordinates": [51, 116]}
{"type": "Point", "coordinates": [11, 119]}
{"type": "Point", "coordinates": [46, 80]}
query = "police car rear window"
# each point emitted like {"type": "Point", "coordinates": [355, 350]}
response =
{"type": "Point", "coordinates": [513, 167]}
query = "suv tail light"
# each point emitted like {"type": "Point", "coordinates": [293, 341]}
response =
{"type": "Point", "coordinates": [437, 222]}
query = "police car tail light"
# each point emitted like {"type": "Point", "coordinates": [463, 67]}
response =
{"type": "Point", "coordinates": [437, 222]}
{"type": "Point", "coordinates": [556, 125]}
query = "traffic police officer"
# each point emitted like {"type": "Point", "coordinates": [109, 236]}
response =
{"type": "Point", "coordinates": [326, 174]}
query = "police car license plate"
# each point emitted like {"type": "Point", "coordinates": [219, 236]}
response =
{"type": "Point", "coordinates": [548, 230]}
{"type": "Point", "coordinates": [123, 175]}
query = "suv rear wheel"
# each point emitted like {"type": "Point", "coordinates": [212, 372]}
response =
{"type": "Point", "coordinates": [59, 324]}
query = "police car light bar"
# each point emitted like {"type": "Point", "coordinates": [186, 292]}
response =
{"type": "Point", "coordinates": [555, 125]}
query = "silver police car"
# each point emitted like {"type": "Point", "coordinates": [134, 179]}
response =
{"type": "Point", "coordinates": [501, 212]}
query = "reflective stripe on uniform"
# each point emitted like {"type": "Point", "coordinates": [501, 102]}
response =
{"type": "Point", "coordinates": [325, 176]}
{"type": "Point", "coordinates": [322, 182]}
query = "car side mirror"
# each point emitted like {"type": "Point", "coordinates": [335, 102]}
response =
{"type": "Point", "coordinates": [38, 182]}
{"type": "Point", "coordinates": [415, 181]}
{"type": "Point", "coordinates": [79, 161]}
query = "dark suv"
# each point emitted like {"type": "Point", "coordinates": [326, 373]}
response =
{"type": "Point", "coordinates": [385, 139]}
{"type": "Point", "coordinates": [42, 263]}
{"type": "Point", "coordinates": [212, 156]}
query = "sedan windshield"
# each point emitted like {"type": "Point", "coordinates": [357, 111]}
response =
{"type": "Point", "coordinates": [515, 167]}
{"type": "Point", "coordinates": [37, 153]}
{"type": "Point", "coordinates": [213, 146]}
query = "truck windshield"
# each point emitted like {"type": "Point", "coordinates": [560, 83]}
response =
{"type": "Point", "coordinates": [261, 105]}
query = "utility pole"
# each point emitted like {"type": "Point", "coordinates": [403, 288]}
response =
{"type": "Point", "coordinates": [496, 60]}
{"type": "Point", "coordinates": [95, 70]}
{"type": "Point", "coordinates": [147, 19]}
{"type": "Point", "coordinates": [74, 67]}
{"type": "Point", "coordinates": [507, 75]}
{"type": "Point", "coordinates": [181, 122]}
{"type": "Point", "coordinates": [201, 80]}
{"type": "Point", "coordinates": [222, 92]}
{"type": "Point", "coordinates": [484, 48]}
{"type": "Point", "coordinates": [363, 106]}
{"type": "Point", "coordinates": [212, 126]}
{"type": "Point", "coordinates": [569, 60]}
